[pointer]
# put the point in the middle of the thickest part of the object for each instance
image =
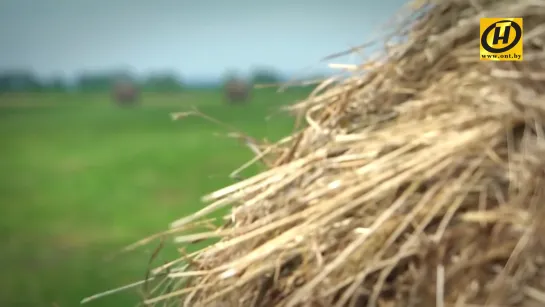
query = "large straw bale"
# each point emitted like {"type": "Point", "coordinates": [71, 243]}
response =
{"type": "Point", "coordinates": [416, 182]}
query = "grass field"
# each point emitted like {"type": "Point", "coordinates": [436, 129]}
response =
{"type": "Point", "coordinates": [80, 179]}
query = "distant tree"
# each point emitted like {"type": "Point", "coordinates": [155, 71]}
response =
{"type": "Point", "coordinates": [88, 82]}
{"type": "Point", "coordinates": [55, 84]}
{"type": "Point", "coordinates": [162, 82]}
{"type": "Point", "coordinates": [20, 81]}
{"type": "Point", "coordinates": [265, 75]}
{"type": "Point", "coordinates": [120, 83]}
{"type": "Point", "coordinates": [4, 83]}
{"type": "Point", "coordinates": [102, 81]}
{"type": "Point", "coordinates": [230, 75]}
{"type": "Point", "coordinates": [58, 84]}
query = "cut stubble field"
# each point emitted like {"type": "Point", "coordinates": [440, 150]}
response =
{"type": "Point", "coordinates": [80, 179]}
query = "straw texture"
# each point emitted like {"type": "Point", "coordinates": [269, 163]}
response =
{"type": "Point", "coordinates": [416, 181]}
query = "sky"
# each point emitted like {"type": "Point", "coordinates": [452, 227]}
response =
{"type": "Point", "coordinates": [195, 39]}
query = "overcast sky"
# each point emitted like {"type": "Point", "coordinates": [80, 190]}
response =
{"type": "Point", "coordinates": [195, 38]}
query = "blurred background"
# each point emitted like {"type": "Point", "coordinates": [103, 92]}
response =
{"type": "Point", "coordinates": [90, 160]}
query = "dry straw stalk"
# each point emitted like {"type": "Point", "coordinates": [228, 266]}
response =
{"type": "Point", "coordinates": [416, 182]}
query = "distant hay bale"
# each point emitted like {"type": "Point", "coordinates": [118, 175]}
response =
{"type": "Point", "coordinates": [237, 91]}
{"type": "Point", "coordinates": [417, 182]}
{"type": "Point", "coordinates": [125, 93]}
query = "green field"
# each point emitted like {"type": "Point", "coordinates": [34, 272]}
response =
{"type": "Point", "coordinates": [81, 178]}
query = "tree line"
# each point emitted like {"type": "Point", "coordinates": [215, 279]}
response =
{"type": "Point", "coordinates": [27, 81]}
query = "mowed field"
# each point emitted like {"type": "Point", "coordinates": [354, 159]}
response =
{"type": "Point", "coordinates": [80, 179]}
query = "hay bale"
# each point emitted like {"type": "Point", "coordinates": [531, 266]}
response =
{"type": "Point", "coordinates": [417, 183]}
{"type": "Point", "coordinates": [125, 93]}
{"type": "Point", "coordinates": [237, 91]}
